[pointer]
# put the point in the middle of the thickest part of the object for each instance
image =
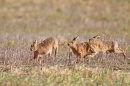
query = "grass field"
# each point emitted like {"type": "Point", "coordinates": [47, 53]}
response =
{"type": "Point", "coordinates": [21, 22]}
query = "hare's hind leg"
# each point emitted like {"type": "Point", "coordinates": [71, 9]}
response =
{"type": "Point", "coordinates": [56, 51]}
{"type": "Point", "coordinates": [119, 50]}
{"type": "Point", "coordinates": [55, 47]}
{"type": "Point", "coordinates": [50, 55]}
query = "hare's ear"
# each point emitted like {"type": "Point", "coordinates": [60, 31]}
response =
{"type": "Point", "coordinates": [75, 38]}
{"type": "Point", "coordinates": [90, 40]}
{"type": "Point", "coordinates": [35, 42]}
{"type": "Point", "coordinates": [96, 37]}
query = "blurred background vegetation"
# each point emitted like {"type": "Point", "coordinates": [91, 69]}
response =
{"type": "Point", "coordinates": [65, 17]}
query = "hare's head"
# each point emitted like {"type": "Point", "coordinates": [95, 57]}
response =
{"type": "Point", "coordinates": [73, 42]}
{"type": "Point", "coordinates": [34, 46]}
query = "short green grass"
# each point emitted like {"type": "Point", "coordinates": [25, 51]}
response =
{"type": "Point", "coordinates": [79, 75]}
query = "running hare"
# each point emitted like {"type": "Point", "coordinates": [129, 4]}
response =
{"type": "Point", "coordinates": [45, 47]}
{"type": "Point", "coordinates": [104, 46]}
{"type": "Point", "coordinates": [79, 49]}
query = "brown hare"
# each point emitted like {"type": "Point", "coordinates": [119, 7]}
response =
{"type": "Point", "coordinates": [79, 49]}
{"type": "Point", "coordinates": [45, 47]}
{"type": "Point", "coordinates": [104, 46]}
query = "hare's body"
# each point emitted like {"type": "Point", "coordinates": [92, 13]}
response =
{"type": "Point", "coordinates": [104, 46]}
{"type": "Point", "coordinates": [45, 47]}
{"type": "Point", "coordinates": [79, 49]}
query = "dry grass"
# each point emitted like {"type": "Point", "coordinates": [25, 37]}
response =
{"type": "Point", "coordinates": [21, 22]}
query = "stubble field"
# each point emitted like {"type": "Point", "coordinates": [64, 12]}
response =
{"type": "Point", "coordinates": [21, 22]}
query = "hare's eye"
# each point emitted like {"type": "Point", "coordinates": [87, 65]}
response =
{"type": "Point", "coordinates": [31, 45]}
